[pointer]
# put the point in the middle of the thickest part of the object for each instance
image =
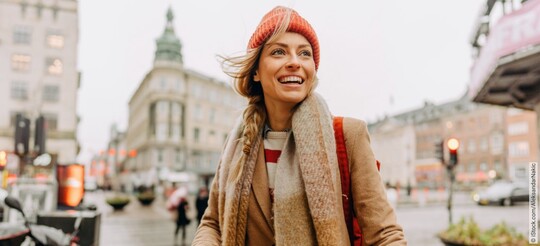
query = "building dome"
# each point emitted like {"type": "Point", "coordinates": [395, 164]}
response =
{"type": "Point", "coordinates": [168, 45]}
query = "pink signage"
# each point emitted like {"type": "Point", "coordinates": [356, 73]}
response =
{"type": "Point", "coordinates": [513, 32]}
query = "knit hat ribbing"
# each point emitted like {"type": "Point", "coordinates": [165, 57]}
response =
{"type": "Point", "coordinates": [297, 24]}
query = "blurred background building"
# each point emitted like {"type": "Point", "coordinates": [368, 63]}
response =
{"type": "Point", "coordinates": [178, 122]}
{"type": "Point", "coordinates": [506, 72]}
{"type": "Point", "coordinates": [39, 77]}
{"type": "Point", "coordinates": [495, 143]}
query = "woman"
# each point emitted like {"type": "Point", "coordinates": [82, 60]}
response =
{"type": "Point", "coordinates": [278, 179]}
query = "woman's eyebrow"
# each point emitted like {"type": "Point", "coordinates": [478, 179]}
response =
{"type": "Point", "coordinates": [286, 45]}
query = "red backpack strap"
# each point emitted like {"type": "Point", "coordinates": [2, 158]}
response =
{"type": "Point", "coordinates": [343, 162]}
{"type": "Point", "coordinates": [355, 232]}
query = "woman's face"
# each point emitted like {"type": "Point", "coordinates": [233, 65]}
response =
{"type": "Point", "coordinates": [286, 70]}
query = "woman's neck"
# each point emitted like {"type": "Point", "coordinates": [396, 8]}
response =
{"type": "Point", "coordinates": [279, 118]}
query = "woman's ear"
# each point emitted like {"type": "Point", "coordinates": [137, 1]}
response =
{"type": "Point", "coordinates": [256, 76]}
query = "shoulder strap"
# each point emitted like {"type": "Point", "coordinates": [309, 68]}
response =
{"type": "Point", "coordinates": [355, 232]}
{"type": "Point", "coordinates": [343, 162]}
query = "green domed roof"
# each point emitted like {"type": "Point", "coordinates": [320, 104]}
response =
{"type": "Point", "coordinates": [168, 45]}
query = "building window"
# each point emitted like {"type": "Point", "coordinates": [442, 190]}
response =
{"type": "Point", "coordinates": [520, 173]}
{"type": "Point", "coordinates": [196, 91]}
{"type": "Point", "coordinates": [20, 62]}
{"type": "Point", "coordinates": [179, 159]}
{"type": "Point", "coordinates": [160, 156]}
{"type": "Point", "coordinates": [215, 160]}
{"type": "Point", "coordinates": [51, 121]}
{"type": "Point", "coordinates": [498, 166]}
{"type": "Point", "coordinates": [472, 167]}
{"type": "Point", "coordinates": [175, 132]}
{"type": "Point", "coordinates": [496, 117]}
{"type": "Point", "coordinates": [198, 112]}
{"type": "Point", "coordinates": [55, 40]}
{"type": "Point", "coordinates": [54, 66]}
{"type": "Point", "coordinates": [196, 133]}
{"type": "Point", "coordinates": [514, 111]}
{"type": "Point", "coordinates": [161, 131]}
{"type": "Point", "coordinates": [518, 128]}
{"type": "Point", "coordinates": [483, 167]}
{"type": "Point", "coordinates": [19, 90]}
{"type": "Point", "coordinates": [176, 121]}
{"type": "Point", "coordinates": [152, 123]}
{"type": "Point", "coordinates": [471, 146]}
{"type": "Point", "coordinates": [196, 159]}
{"type": "Point", "coordinates": [51, 93]}
{"type": "Point", "coordinates": [22, 35]}
{"type": "Point", "coordinates": [497, 142]}
{"type": "Point", "coordinates": [499, 169]}
{"type": "Point", "coordinates": [180, 86]}
{"type": "Point", "coordinates": [212, 137]}
{"type": "Point", "coordinates": [212, 94]}
{"type": "Point", "coordinates": [212, 115]}
{"type": "Point", "coordinates": [484, 144]}
{"type": "Point", "coordinates": [163, 84]}
{"type": "Point", "coordinates": [518, 149]}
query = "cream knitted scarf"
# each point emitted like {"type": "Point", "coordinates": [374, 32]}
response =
{"type": "Point", "coordinates": [305, 207]}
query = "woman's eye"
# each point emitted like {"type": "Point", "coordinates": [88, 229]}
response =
{"type": "Point", "coordinates": [278, 52]}
{"type": "Point", "coordinates": [305, 53]}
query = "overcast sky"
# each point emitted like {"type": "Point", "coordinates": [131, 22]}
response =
{"type": "Point", "coordinates": [377, 57]}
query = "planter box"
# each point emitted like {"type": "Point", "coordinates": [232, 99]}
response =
{"type": "Point", "coordinates": [118, 203]}
{"type": "Point", "coordinates": [451, 243]}
{"type": "Point", "coordinates": [146, 201]}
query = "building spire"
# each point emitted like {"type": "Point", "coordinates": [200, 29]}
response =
{"type": "Point", "coordinates": [168, 45]}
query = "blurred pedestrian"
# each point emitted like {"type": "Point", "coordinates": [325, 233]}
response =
{"type": "Point", "coordinates": [201, 203]}
{"type": "Point", "coordinates": [278, 181]}
{"type": "Point", "coordinates": [175, 196]}
{"type": "Point", "coordinates": [182, 220]}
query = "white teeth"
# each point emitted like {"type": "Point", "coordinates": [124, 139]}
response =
{"type": "Point", "coordinates": [287, 79]}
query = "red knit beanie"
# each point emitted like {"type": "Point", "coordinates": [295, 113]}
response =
{"type": "Point", "coordinates": [297, 24]}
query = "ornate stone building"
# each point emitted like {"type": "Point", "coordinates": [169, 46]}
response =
{"type": "Point", "coordinates": [178, 118]}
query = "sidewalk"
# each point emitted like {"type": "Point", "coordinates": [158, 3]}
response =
{"type": "Point", "coordinates": [137, 224]}
{"type": "Point", "coordinates": [432, 198]}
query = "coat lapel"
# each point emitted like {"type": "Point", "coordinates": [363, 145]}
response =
{"type": "Point", "coordinates": [260, 186]}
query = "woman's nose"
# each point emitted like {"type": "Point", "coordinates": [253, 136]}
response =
{"type": "Point", "coordinates": [293, 62]}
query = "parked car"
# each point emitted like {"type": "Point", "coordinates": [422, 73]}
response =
{"type": "Point", "coordinates": [503, 193]}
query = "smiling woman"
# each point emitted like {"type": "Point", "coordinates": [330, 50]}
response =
{"type": "Point", "coordinates": [278, 181]}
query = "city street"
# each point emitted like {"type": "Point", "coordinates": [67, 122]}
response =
{"type": "Point", "coordinates": [421, 224]}
{"type": "Point", "coordinates": [136, 224]}
{"type": "Point", "coordinates": [153, 225]}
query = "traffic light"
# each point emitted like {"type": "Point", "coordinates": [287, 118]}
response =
{"type": "Point", "coordinates": [453, 146]}
{"type": "Point", "coordinates": [22, 134]}
{"type": "Point", "coordinates": [40, 136]}
{"type": "Point", "coordinates": [439, 150]}
{"type": "Point", "coordinates": [3, 160]}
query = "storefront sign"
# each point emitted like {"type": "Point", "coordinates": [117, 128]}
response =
{"type": "Point", "coordinates": [514, 32]}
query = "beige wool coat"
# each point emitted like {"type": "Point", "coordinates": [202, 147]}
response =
{"type": "Point", "coordinates": [375, 215]}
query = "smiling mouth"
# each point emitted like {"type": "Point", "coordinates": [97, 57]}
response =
{"type": "Point", "coordinates": [291, 80]}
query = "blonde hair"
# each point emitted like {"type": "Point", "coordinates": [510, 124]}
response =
{"type": "Point", "coordinates": [242, 69]}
